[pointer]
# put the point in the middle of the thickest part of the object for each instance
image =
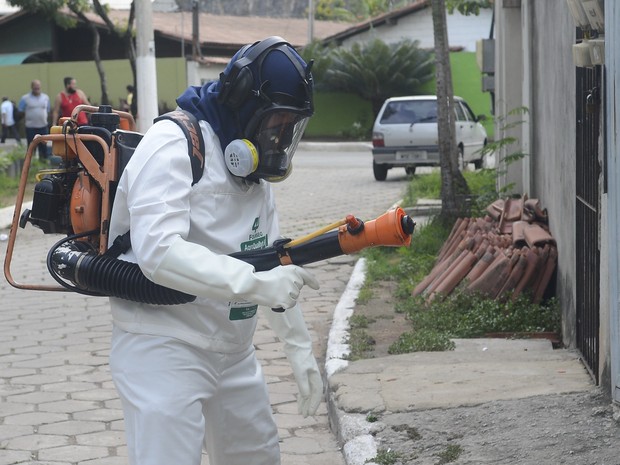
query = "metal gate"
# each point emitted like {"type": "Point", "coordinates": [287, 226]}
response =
{"type": "Point", "coordinates": [588, 93]}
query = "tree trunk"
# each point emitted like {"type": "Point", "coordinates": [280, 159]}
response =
{"type": "Point", "coordinates": [127, 37]}
{"type": "Point", "coordinates": [454, 189]}
{"type": "Point", "coordinates": [96, 57]}
{"type": "Point", "coordinates": [131, 52]}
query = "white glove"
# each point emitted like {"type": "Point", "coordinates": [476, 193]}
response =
{"type": "Point", "coordinates": [291, 329]}
{"type": "Point", "coordinates": [195, 270]}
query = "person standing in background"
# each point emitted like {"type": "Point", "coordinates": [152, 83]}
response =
{"type": "Point", "coordinates": [36, 107]}
{"type": "Point", "coordinates": [67, 100]}
{"type": "Point", "coordinates": [8, 121]}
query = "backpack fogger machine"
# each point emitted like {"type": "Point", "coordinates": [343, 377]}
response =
{"type": "Point", "coordinates": [75, 200]}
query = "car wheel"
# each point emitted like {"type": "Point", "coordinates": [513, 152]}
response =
{"type": "Point", "coordinates": [410, 170]}
{"type": "Point", "coordinates": [380, 171]}
{"type": "Point", "coordinates": [480, 162]}
{"type": "Point", "coordinates": [460, 158]}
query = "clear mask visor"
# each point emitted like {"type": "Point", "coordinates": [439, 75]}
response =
{"type": "Point", "coordinates": [276, 138]}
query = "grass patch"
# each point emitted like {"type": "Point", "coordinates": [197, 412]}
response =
{"type": "Point", "coordinates": [465, 315]}
{"type": "Point", "coordinates": [364, 296]}
{"type": "Point", "coordinates": [360, 321]}
{"type": "Point", "coordinates": [421, 341]}
{"type": "Point", "coordinates": [361, 344]}
{"type": "Point", "coordinates": [452, 452]}
{"type": "Point", "coordinates": [9, 185]}
{"type": "Point", "coordinates": [385, 457]}
{"type": "Point", "coordinates": [462, 314]}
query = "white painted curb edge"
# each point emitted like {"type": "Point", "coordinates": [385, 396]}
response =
{"type": "Point", "coordinates": [358, 445]}
{"type": "Point", "coordinates": [337, 342]}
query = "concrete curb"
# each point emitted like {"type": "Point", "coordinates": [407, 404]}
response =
{"type": "Point", "coordinates": [335, 146]}
{"type": "Point", "coordinates": [351, 430]}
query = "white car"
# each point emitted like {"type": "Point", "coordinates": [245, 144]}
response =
{"type": "Point", "coordinates": [405, 135]}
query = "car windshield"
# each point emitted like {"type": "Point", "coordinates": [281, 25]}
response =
{"type": "Point", "coordinates": [410, 111]}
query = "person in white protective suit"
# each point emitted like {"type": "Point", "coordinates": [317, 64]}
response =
{"type": "Point", "coordinates": [187, 374]}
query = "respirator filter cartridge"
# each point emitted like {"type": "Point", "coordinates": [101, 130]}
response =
{"type": "Point", "coordinates": [241, 157]}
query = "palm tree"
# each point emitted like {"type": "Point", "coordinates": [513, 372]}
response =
{"type": "Point", "coordinates": [376, 70]}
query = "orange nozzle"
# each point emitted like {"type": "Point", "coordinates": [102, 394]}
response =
{"type": "Point", "coordinates": [393, 228]}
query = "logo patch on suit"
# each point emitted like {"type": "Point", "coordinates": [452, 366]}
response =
{"type": "Point", "coordinates": [256, 240]}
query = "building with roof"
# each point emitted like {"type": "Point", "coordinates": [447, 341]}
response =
{"type": "Point", "coordinates": [415, 22]}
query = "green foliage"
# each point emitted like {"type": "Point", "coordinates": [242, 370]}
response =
{"type": "Point", "coordinates": [385, 457]}
{"type": "Point", "coordinates": [354, 10]}
{"type": "Point", "coordinates": [52, 9]}
{"type": "Point", "coordinates": [372, 418]}
{"type": "Point", "coordinates": [468, 7]}
{"type": "Point", "coordinates": [359, 130]}
{"type": "Point", "coordinates": [466, 315]}
{"type": "Point", "coordinates": [450, 454]}
{"type": "Point", "coordinates": [376, 70]}
{"type": "Point", "coordinates": [10, 184]}
{"type": "Point", "coordinates": [421, 341]}
{"type": "Point", "coordinates": [460, 315]}
{"type": "Point", "coordinates": [381, 263]}
{"type": "Point", "coordinates": [364, 295]}
{"type": "Point", "coordinates": [506, 123]}
{"type": "Point", "coordinates": [359, 321]}
{"type": "Point", "coordinates": [332, 10]}
{"type": "Point", "coordinates": [361, 344]}
{"type": "Point", "coordinates": [320, 54]}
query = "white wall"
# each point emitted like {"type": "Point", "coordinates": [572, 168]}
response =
{"type": "Point", "coordinates": [612, 64]}
{"type": "Point", "coordinates": [463, 31]}
{"type": "Point", "coordinates": [5, 8]}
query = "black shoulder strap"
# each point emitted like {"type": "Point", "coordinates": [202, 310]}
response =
{"type": "Point", "coordinates": [195, 143]}
{"type": "Point", "coordinates": [195, 149]}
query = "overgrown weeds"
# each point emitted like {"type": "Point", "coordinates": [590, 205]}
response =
{"type": "Point", "coordinates": [9, 184]}
{"type": "Point", "coordinates": [433, 324]}
{"type": "Point", "coordinates": [386, 457]}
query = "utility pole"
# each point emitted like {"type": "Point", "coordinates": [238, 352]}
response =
{"type": "Point", "coordinates": [146, 71]}
{"type": "Point", "coordinates": [310, 21]}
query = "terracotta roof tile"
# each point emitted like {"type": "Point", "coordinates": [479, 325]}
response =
{"type": "Point", "coordinates": [233, 31]}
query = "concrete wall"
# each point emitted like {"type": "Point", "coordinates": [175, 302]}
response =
{"type": "Point", "coordinates": [509, 79]}
{"type": "Point", "coordinates": [553, 152]}
{"type": "Point", "coordinates": [171, 79]}
{"type": "Point", "coordinates": [610, 286]}
{"type": "Point", "coordinates": [535, 68]}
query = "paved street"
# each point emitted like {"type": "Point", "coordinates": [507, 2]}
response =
{"type": "Point", "coordinates": [58, 404]}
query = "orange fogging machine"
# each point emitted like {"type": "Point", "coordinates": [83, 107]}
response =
{"type": "Point", "coordinates": [75, 200]}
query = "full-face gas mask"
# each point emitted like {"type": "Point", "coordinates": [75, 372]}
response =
{"type": "Point", "coordinates": [272, 111]}
{"type": "Point", "coordinates": [267, 152]}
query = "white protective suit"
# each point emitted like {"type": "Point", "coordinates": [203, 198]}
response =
{"type": "Point", "coordinates": [188, 373]}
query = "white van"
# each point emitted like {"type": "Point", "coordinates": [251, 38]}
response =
{"type": "Point", "coordinates": [405, 135]}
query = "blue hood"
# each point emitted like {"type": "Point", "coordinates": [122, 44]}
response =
{"type": "Point", "coordinates": [202, 103]}
{"type": "Point", "coordinates": [276, 69]}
